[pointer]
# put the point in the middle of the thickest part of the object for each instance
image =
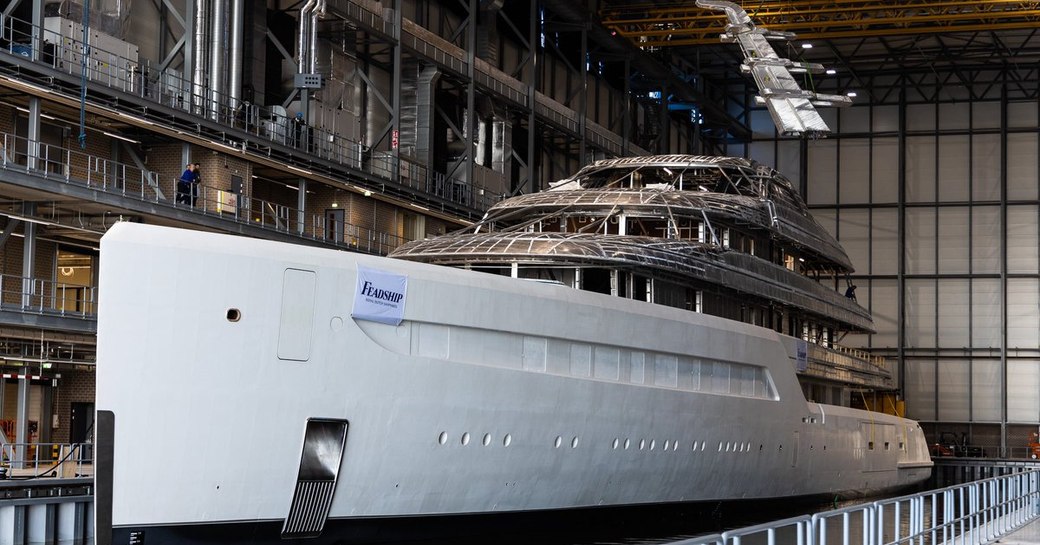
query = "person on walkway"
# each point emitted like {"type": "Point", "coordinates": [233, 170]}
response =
{"type": "Point", "coordinates": [184, 184]}
{"type": "Point", "coordinates": [195, 183]}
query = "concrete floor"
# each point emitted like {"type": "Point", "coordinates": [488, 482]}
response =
{"type": "Point", "coordinates": [1028, 534]}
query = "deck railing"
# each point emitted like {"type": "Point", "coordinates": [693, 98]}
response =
{"type": "Point", "coordinates": [969, 514]}
{"type": "Point", "coordinates": [46, 459]}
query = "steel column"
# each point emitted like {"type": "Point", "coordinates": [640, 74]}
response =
{"type": "Point", "coordinates": [1003, 262]}
{"type": "Point", "coordinates": [22, 419]}
{"type": "Point", "coordinates": [301, 206]}
{"type": "Point", "coordinates": [532, 90]}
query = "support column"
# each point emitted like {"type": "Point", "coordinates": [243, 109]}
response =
{"type": "Point", "coordinates": [583, 98]}
{"type": "Point", "coordinates": [395, 95]}
{"type": "Point", "coordinates": [37, 30]}
{"type": "Point", "coordinates": [33, 133]}
{"type": "Point", "coordinates": [301, 205]}
{"type": "Point", "coordinates": [28, 254]}
{"type": "Point", "coordinates": [22, 419]}
{"type": "Point", "coordinates": [532, 88]}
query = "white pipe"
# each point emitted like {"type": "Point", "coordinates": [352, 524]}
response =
{"type": "Point", "coordinates": [312, 63]}
{"type": "Point", "coordinates": [217, 52]}
{"type": "Point", "coordinates": [198, 80]}
{"type": "Point", "coordinates": [235, 70]}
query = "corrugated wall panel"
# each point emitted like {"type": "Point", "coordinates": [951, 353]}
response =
{"type": "Point", "coordinates": [920, 240]}
{"type": "Point", "coordinates": [954, 168]}
{"type": "Point", "coordinates": [985, 239]}
{"type": "Point", "coordinates": [884, 166]}
{"type": "Point", "coordinates": [954, 241]}
{"type": "Point", "coordinates": [823, 169]}
{"type": "Point", "coordinates": [920, 117]}
{"type": "Point", "coordinates": [954, 313]}
{"type": "Point", "coordinates": [1022, 239]}
{"type": "Point", "coordinates": [985, 390]}
{"type": "Point", "coordinates": [1020, 114]}
{"type": "Point", "coordinates": [920, 389]}
{"type": "Point", "coordinates": [854, 171]}
{"type": "Point", "coordinates": [920, 318]}
{"type": "Point", "coordinates": [985, 167]}
{"type": "Point", "coordinates": [920, 169]}
{"type": "Point", "coordinates": [884, 237]}
{"type": "Point", "coordinates": [855, 119]}
{"type": "Point", "coordinates": [954, 383]}
{"type": "Point", "coordinates": [1023, 391]}
{"type": "Point", "coordinates": [1022, 165]}
{"type": "Point", "coordinates": [854, 235]}
{"type": "Point", "coordinates": [985, 312]}
{"type": "Point", "coordinates": [1023, 313]}
{"type": "Point", "coordinates": [954, 116]}
{"type": "Point", "coordinates": [884, 301]}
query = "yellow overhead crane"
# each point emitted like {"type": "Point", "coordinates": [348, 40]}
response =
{"type": "Point", "coordinates": [653, 25]}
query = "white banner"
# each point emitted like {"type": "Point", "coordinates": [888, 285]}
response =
{"type": "Point", "coordinates": [379, 296]}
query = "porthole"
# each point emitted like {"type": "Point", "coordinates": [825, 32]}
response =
{"type": "Point", "coordinates": [748, 449]}
{"type": "Point", "coordinates": [667, 444]}
{"type": "Point", "coordinates": [720, 446]}
{"type": "Point", "coordinates": [704, 444]}
{"type": "Point", "coordinates": [487, 439]}
{"type": "Point", "coordinates": [615, 444]}
{"type": "Point", "coordinates": [675, 446]}
{"type": "Point", "coordinates": [558, 441]}
{"type": "Point", "coordinates": [628, 443]}
{"type": "Point", "coordinates": [507, 440]}
{"type": "Point", "coordinates": [653, 444]}
{"type": "Point", "coordinates": [465, 438]}
{"type": "Point", "coordinates": [443, 437]}
{"type": "Point", "coordinates": [234, 315]}
{"type": "Point", "coordinates": [642, 444]}
{"type": "Point", "coordinates": [574, 442]}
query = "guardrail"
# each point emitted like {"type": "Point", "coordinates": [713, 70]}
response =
{"type": "Point", "coordinates": [75, 167]}
{"type": "Point", "coordinates": [23, 460]}
{"type": "Point", "coordinates": [113, 69]}
{"type": "Point", "coordinates": [969, 514]}
{"type": "Point", "coordinates": [41, 296]}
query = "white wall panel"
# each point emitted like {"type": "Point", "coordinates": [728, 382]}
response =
{"type": "Point", "coordinates": [1020, 115]}
{"type": "Point", "coordinates": [763, 152]}
{"type": "Point", "coordinates": [884, 240]}
{"type": "Point", "coordinates": [985, 313]}
{"type": "Point", "coordinates": [884, 301]}
{"type": "Point", "coordinates": [985, 239]}
{"type": "Point", "coordinates": [954, 241]}
{"type": "Point", "coordinates": [789, 160]}
{"type": "Point", "coordinates": [985, 115]}
{"type": "Point", "coordinates": [1022, 239]}
{"type": "Point", "coordinates": [854, 171]}
{"type": "Point", "coordinates": [920, 117]}
{"type": "Point", "coordinates": [985, 167]}
{"type": "Point", "coordinates": [920, 313]}
{"type": "Point", "coordinates": [1023, 311]}
{"type": "Point", "coordinates": [1023, 391]}
{"type": "Point", "coordinates": [985, 391]}
{"type": "Point", "coordinates": [884, 166]}
{"type": "Point", "coordinates": [854, 232]}
{"type": "Point", "coordinates": [954, 168]}
{"type": "Point", "coordinates": [1022, 164]}
{"type": "Point", "coordinates": [855, 119]}
{"type": "Point", "coordinates": [920, 169]}
{"type": "Point", "coordinates": [954, 388]}
{"type": "Point", "coordinates": [827, 219]}
{"type": "Point", "coordinates": [920, 240]}
{"type": "Point", "coordinates": [823, 169]}
{"type": "Point", "coordinates": [886, 118]}
{"type": "Point", "coordinates": [954, 116]}
{"type": "Point", "coordinates": [954, 313]}
{"type": "Point", "coordinates": [920, 389]}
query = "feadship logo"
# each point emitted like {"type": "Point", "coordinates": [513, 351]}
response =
{"type": "Point", "coordinates": [379, 296]}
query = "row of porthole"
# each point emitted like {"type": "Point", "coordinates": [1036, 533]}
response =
{"type": "Point", "coordinates": [465, 439]}
{"type": "Point", "coordinates": [643, 444]}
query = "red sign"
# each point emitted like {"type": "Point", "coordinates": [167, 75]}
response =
{"type": "Point", "coordinates": [395, 138]}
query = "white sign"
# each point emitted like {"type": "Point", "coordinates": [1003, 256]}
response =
{"type": "Point", "coordinates": [379, 296]}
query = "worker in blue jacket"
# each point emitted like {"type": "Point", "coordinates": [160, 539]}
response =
{"type": "Point", "coordinates": [184, 185]}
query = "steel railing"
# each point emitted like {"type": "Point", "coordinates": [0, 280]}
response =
{"type": "Point", "coordinates": [47, 459]}
{"type": "Point", "coordinates": [265, 126]}
{"type": "Point", "coordinates": [41, 296]}
{"type": "Point", "coordinates": [968, 514]}
{"type": "Point", "coordinates": [76, 167]}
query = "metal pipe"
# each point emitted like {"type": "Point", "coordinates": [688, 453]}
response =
{"type": "Point", "coordinates": [312, 57]}
{"type": "Point", "coordinates": [304, 38]}
{"type": "Point", "coordinates": [198, 81]}
{"type": "Point", "coordinates": [216, 62]}
{"type": "Point", "coordinates": [235, 70]}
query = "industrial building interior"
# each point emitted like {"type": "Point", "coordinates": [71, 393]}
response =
{"type": "Point", "coordinates": [359, 125]}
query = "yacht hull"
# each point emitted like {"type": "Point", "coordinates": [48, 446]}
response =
{"type": "Point", "coordinates": [493, 395]}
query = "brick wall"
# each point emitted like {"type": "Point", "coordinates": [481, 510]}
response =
{"type": "Point", "coordinates": [74, 386]}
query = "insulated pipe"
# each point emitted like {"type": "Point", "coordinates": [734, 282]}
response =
{"type": "Point", "coordinates": [216, 63]}
{"type": "Point", "coordinates": [304, 38]}
{"type": "Point", "coordinates": [235, 70]}
{"type": "Point", "coordinates": [198, 81]}
{"type": "Point", "coordinates": [312, 56]}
